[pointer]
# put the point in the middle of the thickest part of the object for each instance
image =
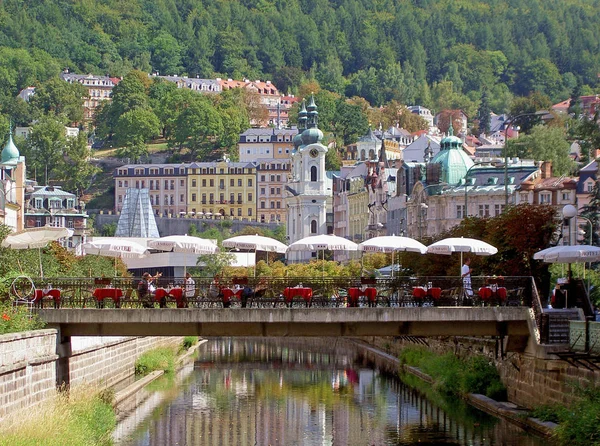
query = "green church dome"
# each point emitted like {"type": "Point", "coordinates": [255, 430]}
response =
{"type": "Point", "coordinates": [311, 136]}
{"type": "Point", "coordinates": [453, 160]}
{"type": "Point", "coordinates": [10, 153]}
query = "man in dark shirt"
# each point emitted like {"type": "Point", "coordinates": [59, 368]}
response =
{"type": "Point", "coordinates": [145, 294]}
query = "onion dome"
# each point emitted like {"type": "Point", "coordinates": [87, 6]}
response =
{"type": "Point", "coordinates": [297, 141]}
{"type": "Point", "coordinates": [312, 136]}
{"type": "Point", "coordinates": [302, 116]}
{"type": "Point", "coordinates": [10, 153]}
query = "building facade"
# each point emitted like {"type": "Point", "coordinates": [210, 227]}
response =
{"type": "Point", "coordinates": [166, 183]}
{"type": "Point", "coordinates": [307, 189]}
{"type": "Point", "coordinates": [52, 206]}
{"type": "Point", "coordinates": [222, 188]}
{"type": "Point", "coordinates": [99, 90]}
{"type": "Point", "coordinates": [13, 186]}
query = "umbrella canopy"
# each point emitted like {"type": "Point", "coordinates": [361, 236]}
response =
{"type": "Point", "coordinates": [256, 243]}
{"type": "Point", "coordinates": [183, 243]}
{"type": "Point", "coordinates": [322, 242]}
{"type": "Point", "coordinates": [35, 237]}
{"type": "Point", "coordinates": [569, 254]}
{"type": "Point", "coordinates": [115, 248]}
{"type": "Point", "coordinates": [461, 244]}
{"type": "Point", "coordinates": [392, 243]}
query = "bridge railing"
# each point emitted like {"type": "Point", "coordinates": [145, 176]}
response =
{"type": "Point", "coordinates": [281, 291]}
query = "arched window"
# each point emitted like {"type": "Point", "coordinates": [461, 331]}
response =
{"type": "Point", "coordinates": [313, 173]}
{"type": "Point", "coordinates": [313, 226]}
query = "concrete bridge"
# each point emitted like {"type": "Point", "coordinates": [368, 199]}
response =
{"type": "Point", "coordinates": [510, 323]}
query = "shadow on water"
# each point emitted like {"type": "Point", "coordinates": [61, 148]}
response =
{"type": "Point", "coordinates": [258, 391]}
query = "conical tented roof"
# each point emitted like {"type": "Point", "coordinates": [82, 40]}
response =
{"type": "Point", "coordinates": [137, 217]}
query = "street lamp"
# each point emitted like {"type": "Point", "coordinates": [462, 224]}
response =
{"type": "Point", "coordinates": [507, 124]}
{"type": "Point", "coordinates": [466, 212]}
{"type": "Point", "coordinates": [422, 207]}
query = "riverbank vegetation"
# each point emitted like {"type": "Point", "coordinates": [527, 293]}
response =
{"type": "Point", "coordinates": [456, 376]}
{"type": "Point", "coordinates": [577, 423]}
{"type": "Point", "coordinates": [160, 358]}
{"type": "Point", "coordinates": [82, 416]}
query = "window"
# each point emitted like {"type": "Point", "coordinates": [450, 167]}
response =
{"type": "Point", "coordinates": [460, 211]}
{"type": "Point", "coordinates": [221, 184]}
{"type": "Point", "coordinates": [249, 212]}
{"type": "Point", "coordinates": [239, 198]}
{"type": "Point", "coordinates": [181, 198]}
{"type": "Point", "coordinates": [166, 184]}
{"type": "Point", "coordinates": [70, 224]}
{"type": "Point", "coordinates": [231, 198]}
{"type": "Point", "coordinates": [137, 184]}
{"type": "Point", "coordinates": [221, 198]}
{"type": "Point", "coordinates": [212, 183]}
{"type": "Point", "coordinates": [126, 183]}
{"type": "Point", "coordinates": [239, 182]}
{"type": "Point", "coordinates": [272, 205]}
{"type": "Point", "coordinates": [313, 173]}
{"type": "Point", "coordinates": [120, 184]}
{"type": "Point", "coordinates": [249, 182]}
{"type": "Point", "coordinates": [545, 198]}
{"type": "Point", "coordinates": [262, 178]}
{"type": "Point", "coordinates": [566, 196]}
{"type": "Point", "coordinates": [250, 198]}
{"type": "Point", "coordinates": [151, 184]}
{"type": "Point", "coordinates": [263, 191]}
{"type": "Point", "coordinates": [181, 183]}
{"type": "Point", "coordinates": [279, 205]}
{"type": "Point", "coordinates": [497, 210]}
{"type": "Point", "coordinates": [120, 199]}
{"type": "Point", "coordinates": [313, 226]}
{"type": "Point", "coordinates": [262, 205]}
{"type": "Point", "coordinates": [203, 183]}
{"type": "Point", "coordinates": [590, 187]}
{"type": "Point", "coordinates": [484, 210]}
{"type": "Point", "coordinates": [193, 183]}
{"type": "Point", "coordinates": [278, 191]}
{"type": "Point", "coordinates": [239, 212]}
{"type": "Point", "coordinates": [272, 191]}
{"type": "Point", "coordinates": [203, 198]}
{"type": "Point", "coordinates": [166, 200]}
{"type": "Point", "coordinates": [172, 200]}
{"type": "Point", "coordinates": [272, 178]}
{"type": "Point", "coordinates": [70, 203]}
{"type": "Point", "coordinates": [278, 177]}
{"type": "Point", "coordinates": [172, 185]}
{"type": "Point", "coordinates": [211, 198]}
{"type": "Point", "coordinates": [231, 182]}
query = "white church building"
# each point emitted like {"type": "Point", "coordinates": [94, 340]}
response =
{"type": "Point", "coordinates": [307, 191]}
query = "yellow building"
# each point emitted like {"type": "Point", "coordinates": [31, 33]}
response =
{"type": "Point", "coordinates": [222, 187]}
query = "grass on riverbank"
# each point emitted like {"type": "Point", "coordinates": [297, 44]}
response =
{"type": "Point", "coordinates": [161, 358]}
{"type": "Point", "coordinates": [74, 418]}
{"type": "Point", "coordinates": [577, 424]}
{"type": "Point", "coordinates": [456, 376]}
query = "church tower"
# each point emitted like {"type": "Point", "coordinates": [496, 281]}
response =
{"type": "Point", "coordinates": [306, 192]}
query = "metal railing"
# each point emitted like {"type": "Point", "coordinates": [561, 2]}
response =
{"type": "Point", "coordinates": [269, 292]}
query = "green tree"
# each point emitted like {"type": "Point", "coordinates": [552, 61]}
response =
{"type": "Point", "coordinates": [592, 213]}
{"type": "Point", "coordinates": [77, 171]}
{"type": "Point", "coordinates": [197, 126]}
{"type": "Point", "coordinates": [545, 143]}
{"type": "Point", "coordinates": [134, 129]}
{"type": "Point", "coordinates": [44, 148]}
{"type": "Point", "coordinates": [166, 54]}
{"type": "Point", "coordinates": [60, 98]}
{"type": "Point", "coordinates": [587, 132]}
{"type": "Point", "coordinates": [214, 264]}
{"type": "Point", "coordinates": [349, 122]}
{"type": "Point", "coordinates": [484, 114]}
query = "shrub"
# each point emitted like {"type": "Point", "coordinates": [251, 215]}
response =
{"type": "Point", "coordinates": [188, 341]}
{"type": "Point", "coordinates": [162, 358]}
{"type": "Point", "coordinates": [17, 318]}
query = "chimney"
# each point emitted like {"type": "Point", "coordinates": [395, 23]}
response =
{"type": "Point", "coordinates": [546, 169]}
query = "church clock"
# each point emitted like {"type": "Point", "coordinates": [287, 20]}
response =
{"type": "Point", "coordinates": [314, 153]}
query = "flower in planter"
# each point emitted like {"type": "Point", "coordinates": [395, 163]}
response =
{"type": "Point", "coordinates": [6, 317]}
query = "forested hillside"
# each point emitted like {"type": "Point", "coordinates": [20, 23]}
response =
{"type": "Point", "coordinates": [378, 49]}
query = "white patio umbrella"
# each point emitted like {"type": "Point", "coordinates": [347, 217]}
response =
{"type": "Point", "coordinates": [323, 242]}
{"type": "Point", "coordinates": [184, 244]}
{"type": "Point", "coordinates": [117, 248]}
{"type": "Point", "coordinates": [450, 245]}
{"type": "Point", "coordinates": [392, 243]}
{"type": "Point", "coordinates": [36, 238]}
{"type": "Point", "coordinates": [569, 254]}
{"type": "Point", "coordinates": [255, 243]}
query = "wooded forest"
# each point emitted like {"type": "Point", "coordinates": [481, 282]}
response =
{"type": "Point", "coordinates": [376, 49]}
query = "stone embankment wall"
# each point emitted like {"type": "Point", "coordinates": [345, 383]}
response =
{"type": "Point", "coordinates": [532, 378]}
{"type": "Point", "coordinates": [29, 364]}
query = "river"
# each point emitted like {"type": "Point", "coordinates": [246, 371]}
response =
{"type": "Point", "coordinates": [298, 392]}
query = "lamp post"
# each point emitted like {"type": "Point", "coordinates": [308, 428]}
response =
{"type": "Point", "coordinates": [509, 122]}
{"type": "Point", "coordinates": [569, 211]}
{"type": "Point", "coordinates": [422, 207]}
{"type": "Point", "coordinates": [466, 211]}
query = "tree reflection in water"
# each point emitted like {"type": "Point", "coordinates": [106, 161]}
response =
{"type": "Point", "coordinates": [258, 391]}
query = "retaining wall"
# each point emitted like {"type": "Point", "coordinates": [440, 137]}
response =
{"type": "Point", "coordinates": [29, 365]}
{"type": "Point", "coordinates": [531, 379]}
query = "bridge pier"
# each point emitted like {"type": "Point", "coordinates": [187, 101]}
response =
{"type": "Point", "coordinates": [64, 350]}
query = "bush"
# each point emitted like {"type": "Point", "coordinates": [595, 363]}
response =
{"type": "Point", "coordinates": [455, 376]}
{"type": "Point", "coordinates": [162, 358]}
{"type": "Point", "coordinates": [188, 341]}
{"type": "Point", "coordinates": [14, 319]}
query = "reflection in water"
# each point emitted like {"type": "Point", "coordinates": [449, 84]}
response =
{"type": "Point", "coordinates": [307, 392]}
